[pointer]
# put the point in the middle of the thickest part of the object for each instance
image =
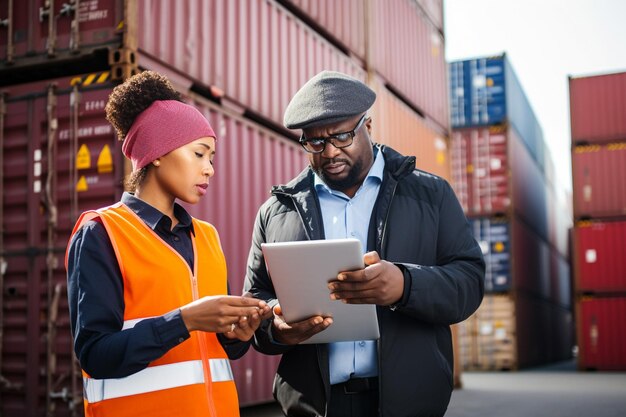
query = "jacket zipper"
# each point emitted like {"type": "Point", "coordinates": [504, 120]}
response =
{"type": "Point", "coordinates": [380, 341]}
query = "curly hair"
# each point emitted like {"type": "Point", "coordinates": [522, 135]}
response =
{"type": "Point", "coordinates": [128, 100]}
{"type": "Point", "coordinates": [136, 94]}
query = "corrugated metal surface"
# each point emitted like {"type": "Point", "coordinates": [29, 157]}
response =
{"type": "Point", "coordinates": [397, 125]}
{"type": "Point", "coordinates": [494, 174]}
{"type": "Point", "coordinates": [486, 91]}
{"type": "Point", "coordinates": [529, 187]}
{"type": "Point", "coordinates": [34, 283]}
{"type": "Point", "coordinates": [480, 170]}
{"type": "Point", "coordinates": [531, 261]}
{"type": "Point", "coordinates": [602, 333]}
{"type": "Point", "coordinates": [96, 22]}
{"type": "Point", "coordinates": [262, 55]}
{"type": "Point", "coordinates": [510, 332]}
{"type": "Point", "coordinates": [434, 11]}
{"type": "Point", "coordinates": [599, 176]}
{"type": "Point", "coordinates": [249, 160]}
{"type": "Point", "coordinates": [494, 238]}
{"type": "Point", "coordinates": [600, 264]}
{"type": "Point", "coordinates": [597, 108]}
{"type": "Point", "coordinates": [344, 20]}
{"type": "Point", "coordinates": [408, 51]}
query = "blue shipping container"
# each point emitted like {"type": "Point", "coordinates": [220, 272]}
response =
{"type": "Point", "coordinates": [486, 91]}
{"type": "Point", "coordinates": [493, 236]}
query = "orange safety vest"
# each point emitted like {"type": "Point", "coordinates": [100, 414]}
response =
{"type": "Point", "coordinates": [193, 378]}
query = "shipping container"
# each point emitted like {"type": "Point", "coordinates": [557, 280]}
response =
{"type": "Point", "coordinates": [601, 333]}
{"type": "Point", "coordinates": [516, 258]}
{"type": "Point", "coordinates": [597, 108]}
{"type": "Point", "coordinates": [59, 158]}
{"type": "Point", "coordinates": [408, 52]}
{"type": "Point", "coordinates": [510, 332]}
{"type": "Point", "coordinates": [41, 29]}
{"type": "Point", "coordinates": [599, 179]}
{"type": "Point", "coordinates": [599, 261]}
{"type": "Point", "coordinates": [493, 174]}
{"type": "Point", "coordinates": [485, 92]}
{"type": "Point", "coordinates": [344, 21]}
{"type": "Point", "coordinates": [255, 54]}
{"type": "Point", "coordinates": [397, 125]}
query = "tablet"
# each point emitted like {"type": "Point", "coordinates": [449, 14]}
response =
{"type": "Point", "coordinates": [300, 272]}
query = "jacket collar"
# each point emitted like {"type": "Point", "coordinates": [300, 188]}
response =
{"type": "Point", "coordinates": [396, 165]}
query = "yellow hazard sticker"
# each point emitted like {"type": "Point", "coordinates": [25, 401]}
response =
{"type": "Point", "coordinates": [105, 160]}
{"type": "Point", "coordinates": [83, 158]}
{"type": "Point", "coordinates": [81, 185]}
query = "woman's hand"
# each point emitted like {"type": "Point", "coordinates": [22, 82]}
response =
{"type": "Point", "coordinates": [236, 317]}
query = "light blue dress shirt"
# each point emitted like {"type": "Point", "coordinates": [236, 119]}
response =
{"type": "Point", "coordinates": [350, 217]}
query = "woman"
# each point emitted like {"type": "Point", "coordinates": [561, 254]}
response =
{"type": "Point", "coordinates": [153, 327]}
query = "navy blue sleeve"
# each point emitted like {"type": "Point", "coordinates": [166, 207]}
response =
{"type": "Point", "coordinates": [96, 303]}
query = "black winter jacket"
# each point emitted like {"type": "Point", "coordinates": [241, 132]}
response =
{"type": "Point", "coordinates": [419, 225]}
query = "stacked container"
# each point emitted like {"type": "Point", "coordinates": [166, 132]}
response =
{"type": "Point", "coordinates": [504, 178]}
{"type": "Point", "coordinates": [240, 62]}
{"type": "Point", "coordinates": [597, 110]}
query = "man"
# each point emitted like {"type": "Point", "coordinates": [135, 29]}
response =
{"type": "Point", "coordinates": [424, 270]}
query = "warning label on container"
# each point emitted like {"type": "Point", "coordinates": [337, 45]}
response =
{"type": "Point", "coordinates": [83, 158]}
{"type": "Point", "coordinates": [81, 185]}
{"type": "Point", "coordinates": [105, 161]}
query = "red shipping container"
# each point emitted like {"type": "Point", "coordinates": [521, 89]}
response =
{"type": "Point", "coordinates": [344, 20]}
{"type": "Point", "coordinates": [602, 333]}
{"type": "Point", "coordinates": [36, 33]}
{"type": "Point", "coordinates": [257, 53]}
{"type": "Point", "coordinates": [600, 264]}
{"type": "Point", "coordinates": [494, 174]}
{"type": "Point", "coordinates": [408, 52]}
{"type": "Point", "coordinates": [249, 160]}
{"type": "Point", "coordinates": [597, 108]}
{"type": "Point", "coordinates": [397, 125]}
{"type": "Point", "coordinates": [599, 179]}
{"type": "Point", "coordinates": [48, 129]}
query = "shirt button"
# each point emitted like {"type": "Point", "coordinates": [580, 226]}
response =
{"type": "Point", "coordinates": [176, 238]}
{"type": "Point", "coordinates": [352, 234]}
{"type": "Point", "coordinates": [362, 344]}
{"type": "Point", "coordinates": [181, 339]}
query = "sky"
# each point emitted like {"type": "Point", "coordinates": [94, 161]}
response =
{"type": "Point", "coordinates": [545, 41]}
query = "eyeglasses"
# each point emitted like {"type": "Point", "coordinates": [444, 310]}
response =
{"type": "Point", "coordinates": [338, 140]}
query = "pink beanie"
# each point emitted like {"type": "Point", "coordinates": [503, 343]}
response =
{"type": "Point", "coordinates": [164, 126]}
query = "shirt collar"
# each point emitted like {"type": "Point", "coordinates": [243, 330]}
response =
{"type": "Point", "coordinates": [153, 217]}
{"type": "Point", "coordinates": [375, 173]}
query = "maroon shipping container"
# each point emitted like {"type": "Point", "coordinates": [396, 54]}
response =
{"type": "Point", "coordinates": [41, 37]}
{"type": "Point", "coordinates": [599, 177]}
{"type": "Point", "coordinates": [408, 52]}
{"type": "Point", "coordinates": [601, 333]}
{"type": "Point", "coordinates": [344, 20]}
{"type": "Point", "coordinates": [36, 356]}
{"type": "Point", "coordinates": [257, 53]}
{"type": "Point", "coordinates": [48, 129]}
{"type": "Point", "coordinates": [598, 108]}
{"type": "Point", "coordinates": [493, 174]}
{"type": "Point", "coordinates": [600, 264]}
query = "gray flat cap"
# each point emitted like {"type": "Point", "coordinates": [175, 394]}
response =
{"type": "Point", "coordinates": [329, 97]}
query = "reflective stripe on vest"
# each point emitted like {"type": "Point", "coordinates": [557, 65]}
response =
{"type": "Point", "coordinates": [155, 378]}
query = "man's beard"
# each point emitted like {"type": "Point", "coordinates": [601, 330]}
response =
{"type": "Point", "coordinates": [349, 181]}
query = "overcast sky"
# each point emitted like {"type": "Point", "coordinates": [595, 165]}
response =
{"type": "Point", "coordinates": [545, 40]}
